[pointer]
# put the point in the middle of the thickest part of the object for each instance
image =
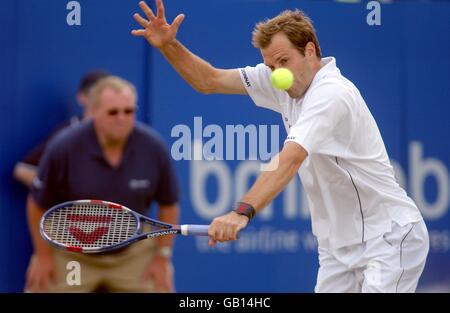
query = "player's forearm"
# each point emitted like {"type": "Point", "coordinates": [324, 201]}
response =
{"type": "Point", "coordinates": [271, 182]}
{"type": "Point", "coordinates": [167, 214]}
{"type": "Point", "coordinates": [34, 215]}
{"type": "Point", "coordinates": [268, 185]}
{"type": "Point", "coordinates": [194, 70]}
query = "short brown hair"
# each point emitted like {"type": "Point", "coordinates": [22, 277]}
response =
{"type": "Point", "coordinates": [296, 25]}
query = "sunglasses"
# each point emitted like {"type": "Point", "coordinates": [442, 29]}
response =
{"type": "Point", "coordinates": [127, 111]}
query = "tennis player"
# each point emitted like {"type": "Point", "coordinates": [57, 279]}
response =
{"type": "Point", "coordinates": [371, 235]}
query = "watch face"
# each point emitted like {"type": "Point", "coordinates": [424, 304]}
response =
{"type": "Point", "coordinates": [242, 209]}
{"type": "Point", "coordinates": [245, 209]}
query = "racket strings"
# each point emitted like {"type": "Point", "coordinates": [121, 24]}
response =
{"type": "Point", "coordinates": [90, 226]}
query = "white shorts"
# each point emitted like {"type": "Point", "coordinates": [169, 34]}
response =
{"type": "Point", "coordinates": [392, 262]}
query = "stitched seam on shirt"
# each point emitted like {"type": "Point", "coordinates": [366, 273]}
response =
{"type": "Point", "coordinates": [359, 199]}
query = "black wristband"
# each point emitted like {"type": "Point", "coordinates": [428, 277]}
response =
{"type": "Point", "coordinates": [246, 209]}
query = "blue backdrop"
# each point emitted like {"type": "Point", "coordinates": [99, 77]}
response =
{"type": "Point", "coordinates": [401, 68]}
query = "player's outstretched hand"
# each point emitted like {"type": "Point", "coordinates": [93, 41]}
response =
{"type": "Point", "coordinates": [156, 30]}
{"type": "Point", "coordinates": [226, 227]}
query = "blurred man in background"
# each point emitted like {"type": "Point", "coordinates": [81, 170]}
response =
{"type": "Point", "coordinates": [109, 157]}
{"type": "Point", "coordinates": [26, 169]}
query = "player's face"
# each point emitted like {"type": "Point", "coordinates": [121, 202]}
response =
{"type": "Point", "coordinates": [114, 115]}
{"type": "Point", "coordinates": [282, 53]}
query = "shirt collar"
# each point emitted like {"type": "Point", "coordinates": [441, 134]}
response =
{"type": "Point", "coordinates": [328, 67]}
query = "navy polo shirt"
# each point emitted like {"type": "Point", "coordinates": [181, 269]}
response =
{"type": "Point", "coordinates": [73, 168]}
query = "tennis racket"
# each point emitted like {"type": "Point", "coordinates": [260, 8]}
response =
{"type": "Point", "coordinates": [93, 226]}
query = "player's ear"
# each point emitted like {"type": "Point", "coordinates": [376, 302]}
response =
{"type": "Point", "coordinates": [310, 50]}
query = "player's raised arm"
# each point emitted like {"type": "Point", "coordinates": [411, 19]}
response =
{"type": "Point", "coordinates": [201, 75]}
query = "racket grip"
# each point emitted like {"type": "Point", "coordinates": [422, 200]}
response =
{"type": "Point", "coordinates": [194, 230]}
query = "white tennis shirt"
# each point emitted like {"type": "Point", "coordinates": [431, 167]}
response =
{"type": "Point", "coordinates": [352, 193]}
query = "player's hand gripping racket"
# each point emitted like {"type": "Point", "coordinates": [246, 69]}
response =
{"type": "Point", "coordinates": [92, 226]}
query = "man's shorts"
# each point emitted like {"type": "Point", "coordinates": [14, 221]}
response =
{"type": "Point", "coordinates": [392, 262]}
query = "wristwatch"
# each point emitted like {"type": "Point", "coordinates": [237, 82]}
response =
{"type": "Point", "coordinates": [165, 252]}
{"type": "Point", "coordinates": [246, 209]}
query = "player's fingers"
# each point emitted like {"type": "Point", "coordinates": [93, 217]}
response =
{"type": "Point", "coordinates": [229, 233]}
{"type": "Point", "coordinates": [148, 12]}
{"type": "Point", "coordinates": [177, 22]}
{"type": "Point", "coordinates": [229, 229]}
{"type": "Point", "coordinates": [138, 32]}
{"type": "Point", "coordinates": [161, 11]}
{"type": "Point", "coordinates": [212, 236]}
{"type": "Point", "coordinates": [213, 229]}
{"type": "Point", "coordinates": [142, 21]}
{"type": "Point", "coordinates": [220, 234]}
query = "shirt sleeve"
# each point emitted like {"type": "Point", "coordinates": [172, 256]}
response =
{"type": "Point", "coordinates": [317, 126]}
{"type": "Point", "coordinates": [48, 186]}
{"type": "Point", "coordinates": [33, 157]}
{"type": "Point", "coordinates": [257, 83]}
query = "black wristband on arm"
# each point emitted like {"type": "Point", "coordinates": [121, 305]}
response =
{"type": "Point", "coordinates": [246, 209]}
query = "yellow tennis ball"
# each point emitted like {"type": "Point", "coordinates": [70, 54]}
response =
{"type": "Point", "coordinates": [282, 78]}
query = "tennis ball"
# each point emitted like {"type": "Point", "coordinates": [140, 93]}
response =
{"type": "Point", "coordinates": [282, 78]}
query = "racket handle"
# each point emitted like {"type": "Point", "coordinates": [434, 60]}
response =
{"type": "Point", "coordinates": [194, 230]}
